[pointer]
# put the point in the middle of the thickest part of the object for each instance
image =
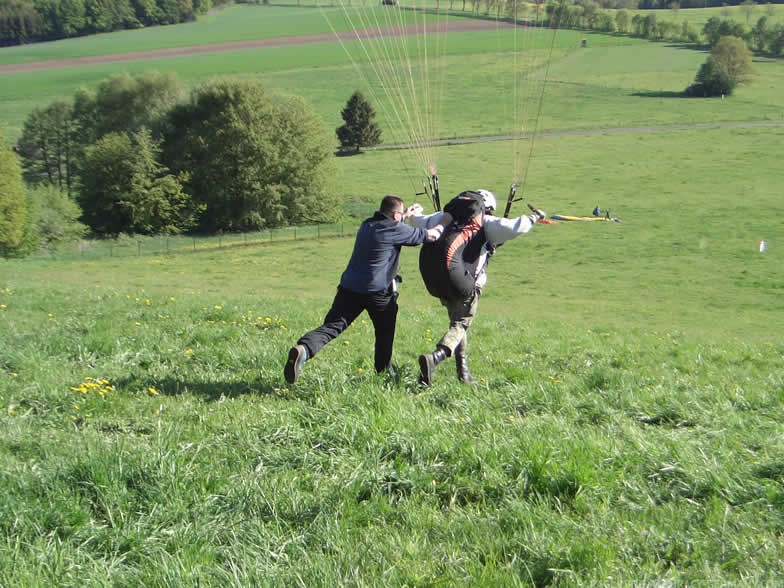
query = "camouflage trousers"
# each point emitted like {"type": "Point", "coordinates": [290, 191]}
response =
{"type": "Point", "coordinates": [461, 314]}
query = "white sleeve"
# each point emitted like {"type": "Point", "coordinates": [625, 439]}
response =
{"type": "Point", "coordinates": [425, 222]}
{"type": "Point", "coordinates": [499, 229]}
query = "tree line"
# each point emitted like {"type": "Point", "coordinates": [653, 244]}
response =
{"type": "Point", "coordinates": [616, 16]}
{"type": "Point", "coordinates": [142, 155]}
{"type": "Point", "coordinates": [763, 37]}
{"type": "Point", "coordinates": [27, 21]}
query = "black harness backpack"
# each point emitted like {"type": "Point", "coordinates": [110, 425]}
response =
{"type": "Point", "coordinates": [449, 265]}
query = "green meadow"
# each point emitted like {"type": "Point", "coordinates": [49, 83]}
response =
{"type": "Point", "coordinates": [625, 426]}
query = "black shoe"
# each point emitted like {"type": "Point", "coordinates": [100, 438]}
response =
{"type": "Point", "coordinates": [298, 355]}
{"type": "Point", "coordinates": [463, 375]}
{"type": "Point", "coordinates": [428, 363]}
{"type": "Point", "coordinates": [426, 368]}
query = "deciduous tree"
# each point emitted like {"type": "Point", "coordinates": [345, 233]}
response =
{"type": "Point", "coordinates": [126, 104]}
{"type": "Point", "coordinates": [125, 189]}
{"type": "Point", "coordinates": [12, 201]}
{"type": "Point", "coordinates": [728, 66]}
{"type": "Point", "coordinates": [19, 22]}
{"type": "Point", "coordinates": [46, 146]}
{"type": "Point", "coordinates": [255, 161]}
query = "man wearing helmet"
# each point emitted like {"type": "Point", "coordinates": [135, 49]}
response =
{"type": "Point", "coordinates": [462, 309]}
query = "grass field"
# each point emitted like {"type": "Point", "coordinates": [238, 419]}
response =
{"type": "Point", "coordinates": [624, 430]}
{"type": "Point", "coordinates": [593, 88]}
{"type": "Point", "coordinates": [248, 22]}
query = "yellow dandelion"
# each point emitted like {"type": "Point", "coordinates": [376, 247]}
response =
{"type": "Point", "coordinates": [152, 391]}
{"type": "Point", "coordinates": [147, 302]}
{"type": "Point", "coordinates": [3, 307]}
{"type": "Point", "coordinates": [138, 324]}
{"type": "Point", "coordinates": [189, 351]}
{"type": "Point", "coordinates": [218, 307]}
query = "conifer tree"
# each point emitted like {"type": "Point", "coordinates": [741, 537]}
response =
{"type": "Point", "coordinates": [359, 129]}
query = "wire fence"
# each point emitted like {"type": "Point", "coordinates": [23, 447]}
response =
{"type": "Point", "coordinates": [178, 244]}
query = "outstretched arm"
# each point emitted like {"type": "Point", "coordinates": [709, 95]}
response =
{"type": "Point", "coordinates": [499, 229]}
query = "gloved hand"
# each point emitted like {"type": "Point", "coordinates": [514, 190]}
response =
{"type": "Point", "coordinates": [435, 233]}
{"type": "Point", "coordinates": [537, 215]}
{"type": "Point", "coordinates": [413, 210]}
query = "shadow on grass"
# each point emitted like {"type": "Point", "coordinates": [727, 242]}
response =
{"type": "Point", "coordinates": [347, 153]}
{"type": "Point", "coordinates": [215, 391]}
{"type": "Point", "coordinates": [661, 94]}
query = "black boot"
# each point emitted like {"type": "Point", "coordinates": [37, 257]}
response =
{"type": "Point", "coordinates": [428, 363]}
{"type": "Point", "coordinates": [298, 355]}
{"type": "Point", "coordinates": [461, 363]}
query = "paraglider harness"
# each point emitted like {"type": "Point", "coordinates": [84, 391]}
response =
{"type": "Point", "coordinates": [450, 265]}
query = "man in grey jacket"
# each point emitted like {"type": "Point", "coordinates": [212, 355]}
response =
{"type": "Point", "coordinates": [368, 283]}
{"type": "Point", "coordinates": [462, 310]}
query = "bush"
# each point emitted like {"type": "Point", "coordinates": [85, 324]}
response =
{"type": "Point", "coordinates": [53, 220]}
{"type": "Point", "coordinates": [728, 66]}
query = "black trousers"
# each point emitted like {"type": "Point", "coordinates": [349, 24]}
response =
{"type": "Point", "coordinates": [347, 306]}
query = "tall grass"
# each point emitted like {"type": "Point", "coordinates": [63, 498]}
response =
{"type": "Point", "coordinates": [148, 438]}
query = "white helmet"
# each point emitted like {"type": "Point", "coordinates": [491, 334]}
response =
{"type": "Point", "coordinates": [489, 199]}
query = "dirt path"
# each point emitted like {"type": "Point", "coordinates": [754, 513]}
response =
{"type": "Point", "coordinates": [466, 25]}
